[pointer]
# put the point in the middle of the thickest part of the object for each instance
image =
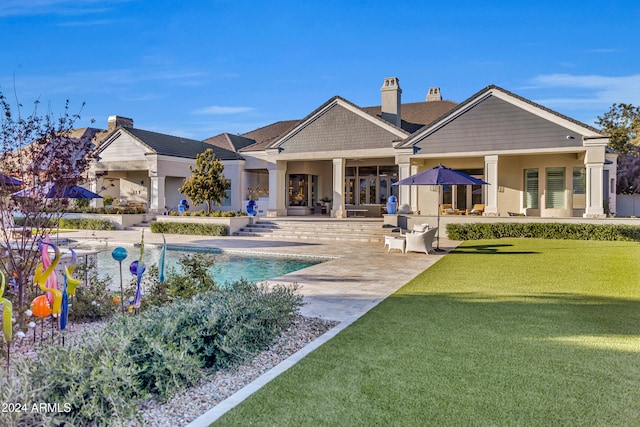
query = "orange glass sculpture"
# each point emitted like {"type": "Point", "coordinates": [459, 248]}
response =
{"type": "Point", "coordinates": [40, 307]}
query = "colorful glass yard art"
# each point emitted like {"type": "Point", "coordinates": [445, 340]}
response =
{"type": "Point", "coordinates": [7, 314]}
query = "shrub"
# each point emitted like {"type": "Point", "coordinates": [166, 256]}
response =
{"type": "Point", "coordinates": [191, 279]}
{"type": "Point", "coordinates": [86, 224]}
{"type": "Point", "coordinates": [477, 231]}
{"type": "Point", "coordinates": [226, 214]}
{"type": "Point", "coordinates": [81, 203]}
{"type": "Point", "coordinates": [107, 200]}
{"type": "Point", "coordinates": [189, 228]}
{"type": "Point", "coordinates": [93, 376]}
{"type": "Point", "coordinates": [105, 374]}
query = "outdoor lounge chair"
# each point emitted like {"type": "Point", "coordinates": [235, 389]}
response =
{"type": "Point", "coordinates": [421, 242]}
{"type": "Point", "coordinates": [477, 209]}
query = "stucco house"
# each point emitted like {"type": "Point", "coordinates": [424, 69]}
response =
{"type": "Point", "coordinates": [145, 168]}
{"type": "Point", "coordinates": [538, 162]}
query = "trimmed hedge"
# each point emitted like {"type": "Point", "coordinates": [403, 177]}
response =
{"type": "Point", "coordinates": [86, 224]}
{"type": "Point", "coordinates": [212, 214]}
{"type": "Point", "coordinates": [72, 223]}
{"type": "Point", "coordinates": [480, 231]}
{"type": "Point", "coordinates": [190, 228]}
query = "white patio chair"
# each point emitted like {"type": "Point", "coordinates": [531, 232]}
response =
{"type": "Point", "coordinates": [11, 229]}
{"type": "Point", "coordinates": [417, 228]}
{"type": "Point", "coordinates": [421, 242]}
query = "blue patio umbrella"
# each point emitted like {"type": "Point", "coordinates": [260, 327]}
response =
{"type": "Point", "coordinates": [440, 175]}
{"type": "Point", "coordinates": [54, 191]}
{"type": "Point", "coordinates": [9, 180]}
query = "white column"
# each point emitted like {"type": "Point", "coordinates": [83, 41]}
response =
{"type": "Point", "coordinates": [404, 192]}
{"type": "Point", "coordinates": [414, 191]}
{"type": "Point", "coordinates": [337, 209]}
{"type": "Point", "coordinates": [157, 201]}
{"type": "Point", "coordinates": [594, 160]}
{"type": "Point", "coordinates": [491, 190]}
{"type": "Point", "coordinates": [277, 188]}
{"type": "Point", "coordinates": [594, 207]}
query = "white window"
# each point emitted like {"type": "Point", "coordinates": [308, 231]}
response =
{"type": "Point", "coordinates": [555, 188]}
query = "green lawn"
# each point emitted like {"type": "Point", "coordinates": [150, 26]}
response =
{"type": "Point", "coordinates": [502, 333]}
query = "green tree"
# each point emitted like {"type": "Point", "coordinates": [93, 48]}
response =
{"type": "Point", "coordinates": [206, 183]}
{"type": "Point", "coordinates": [622, 123]}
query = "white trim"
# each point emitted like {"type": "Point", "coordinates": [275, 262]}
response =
{"type": "Point", "coordinates": [562, 150]}
{"type": "Point", "coordinates": [328, 155]}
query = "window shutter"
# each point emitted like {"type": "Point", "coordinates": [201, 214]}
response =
{"type": "Point", "coordinates": [579, 181]}
{"type": "Point", "coordinates": [531, 188]}
{"type": "Point", "coordinates": [555, 188]}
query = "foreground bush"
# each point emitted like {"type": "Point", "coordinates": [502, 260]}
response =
{"type": "Point", "coordinates": [480, 231]}
{"type": "Point", "coordinates": [99, 380]}
{"type": "Point", "coordinates": [190, 228]}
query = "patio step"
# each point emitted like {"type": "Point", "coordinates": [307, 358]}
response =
{"type": "Point", "coordinates": [329, 229]}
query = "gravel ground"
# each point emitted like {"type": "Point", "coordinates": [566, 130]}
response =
{"type": "Point", "coordinates": [189, 404]}
{"type": "Point", "coordinates": [213, 389]}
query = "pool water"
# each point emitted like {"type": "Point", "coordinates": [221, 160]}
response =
{"type": "Point", "coordinates": [227, 268]}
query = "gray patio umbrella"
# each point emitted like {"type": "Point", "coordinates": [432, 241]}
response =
{"type": "Point", "coordinates": [440, 175]}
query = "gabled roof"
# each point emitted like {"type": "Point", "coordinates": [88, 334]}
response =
{"type": "Point", "coordinates": [416, 115]}
{"type": "Point", "coordinates": [327, 107]}
{"type": "Point", "coordinates": [493, 90]}
{"type": "Point", "coordinates": [175, 146]}
{"type": "Point", "coordinates": [542, 107]}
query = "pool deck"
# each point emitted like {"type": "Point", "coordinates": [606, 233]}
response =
{"type": "Point", "coordinates": [355, 279]}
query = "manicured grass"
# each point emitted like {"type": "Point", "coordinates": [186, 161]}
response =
{"type": "Point", "coordinates": [503, 332]}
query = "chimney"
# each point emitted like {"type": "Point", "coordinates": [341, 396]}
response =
{"type": "Point", "coordinates": [434, 94]}
{"type": "Point", "coordinates": [391, 99]}
{"type": "Point", "coordinates": [115, 121]}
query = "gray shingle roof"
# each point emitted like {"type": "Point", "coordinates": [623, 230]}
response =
{"type": "Point", "coordinates": [169, 145]}
{"type": "Point", "coordinates": [416, 115]}
{"type": "Point", "coordinates": [230, 141]}
{"type": "Point", "coordinates": [265, 135]}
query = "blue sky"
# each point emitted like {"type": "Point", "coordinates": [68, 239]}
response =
{"type": "Point", "coordinates": [198, 68]}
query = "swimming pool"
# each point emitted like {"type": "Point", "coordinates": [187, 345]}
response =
{"type": "Point", "coordinates": [228, 267]}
